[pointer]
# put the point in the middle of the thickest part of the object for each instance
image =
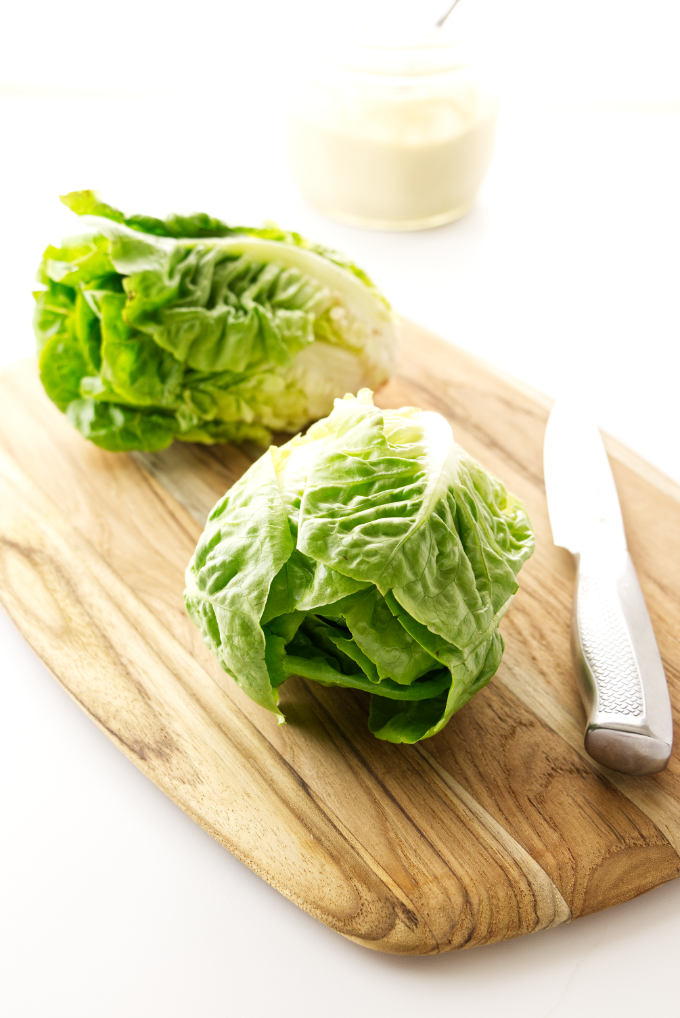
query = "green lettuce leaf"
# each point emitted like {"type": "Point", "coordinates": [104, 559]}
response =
{"type": "Point", "coordinates": [151, 330]}
{"type": "Point", "coordinates": [385, 559]}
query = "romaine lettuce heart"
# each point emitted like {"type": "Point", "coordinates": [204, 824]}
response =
{"type": "Point", "coordinates": [371, 553]}
{"type": "Point", "coordinates": [153, 330]}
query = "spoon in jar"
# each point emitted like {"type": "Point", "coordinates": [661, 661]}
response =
{"type": "Point", "coordinates": [441, 21]}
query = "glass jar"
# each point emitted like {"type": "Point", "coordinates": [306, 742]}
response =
{"type": "Point", "coordinates": [393, 137]}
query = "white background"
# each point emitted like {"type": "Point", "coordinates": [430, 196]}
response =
{"type": "Point", "coordinates": [112, 903]}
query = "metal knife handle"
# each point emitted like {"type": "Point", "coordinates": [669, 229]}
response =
{"type": "Point", "coordinates": [629, 723]}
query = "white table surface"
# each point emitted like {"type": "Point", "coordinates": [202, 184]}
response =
{"type": "Point", "coordinates": [112, 902]}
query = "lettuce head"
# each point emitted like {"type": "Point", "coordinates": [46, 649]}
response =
{"type": "Point", "coordinates": [185, 328]}
{"type": "Point", "coordinates": [371, 553]}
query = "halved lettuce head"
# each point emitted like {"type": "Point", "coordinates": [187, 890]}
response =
{"type": "Point", "coordinates": [371, 553]}
{"type": "Point", "coordinates": [152, 330]}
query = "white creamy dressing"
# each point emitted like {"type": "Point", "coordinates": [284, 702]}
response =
{"type": "Point", "coordinates": [390, 153]}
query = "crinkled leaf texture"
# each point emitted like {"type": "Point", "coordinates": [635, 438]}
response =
{"type": "Point", "coordinates": [371, 552]}
{"type": "Point", "coordinates": [152, 330]}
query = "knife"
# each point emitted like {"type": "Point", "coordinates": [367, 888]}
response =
{"type": "Point", "coordinates": [623, 687]}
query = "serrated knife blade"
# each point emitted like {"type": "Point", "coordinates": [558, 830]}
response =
{"type": "Point", "coordinates": [623, 685]}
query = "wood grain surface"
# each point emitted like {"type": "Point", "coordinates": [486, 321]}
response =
{"type": "Point", "coordinates": [500, 825]}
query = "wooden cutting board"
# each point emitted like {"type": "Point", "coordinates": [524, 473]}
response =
{"type": "Point", "coordinates": [498, 826]}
